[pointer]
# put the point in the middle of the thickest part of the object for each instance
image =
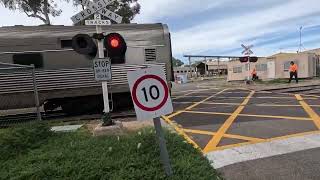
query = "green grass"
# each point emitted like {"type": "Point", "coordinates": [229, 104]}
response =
{"type": "Point", "coordinates": [81, 156]}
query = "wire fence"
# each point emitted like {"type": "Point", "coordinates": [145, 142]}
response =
{"type": "Point", "coordinates": [19, 98]}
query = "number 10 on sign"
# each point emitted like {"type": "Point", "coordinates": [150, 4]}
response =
{"type": "Point", "coordinates": [150, 93]}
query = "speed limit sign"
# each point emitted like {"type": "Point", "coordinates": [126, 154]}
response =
{"type": "Point", "coordinates": [150, 93]}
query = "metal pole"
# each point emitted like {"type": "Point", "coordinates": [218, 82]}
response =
{"type": "Point", "coordinates": [205, 66]}
{"type": "Point", "coordinates": [218, 66]}
{"type": "Point", "coordinates": [104, 84]}
{"type": "Point", "coordinates": [164, 156]}
{"type": "Point", "coordinates": [35, 90]}
{"type": "Point", "coordinates": [190, 67]}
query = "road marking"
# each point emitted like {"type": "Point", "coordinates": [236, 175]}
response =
{"type": "Point", "coordinates": [278, 117]}
{"type": "Point", "coordinates": [237, 104]}
{"type": "Point", "coordinates": [181, 132]}
{"type": "Point", "coordinates": [178, 97]}
{"type": "Point", "coordinates": [252, 115]}
{"type": "Point", "coordinates": [174, 114]}
{"type": "Point", "coordinates": [191, 92]}
{"type": "Point", "coordinates": [275, 105]}
{"type": "Point", "coordinates": [213, 143]}
{"type": "Point", "coordinates": [221, 158]}
{"type": "Point", "coordinates": [233, 136]}
{"type": "Point", "coordinates": [196, 104]}
{"type": "Point", "coordinates": [314, 116]}
{"type": "Point", "coordinates": [212, 103]}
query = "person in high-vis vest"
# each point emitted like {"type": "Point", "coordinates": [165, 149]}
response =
{"type": "Point", "coordinates": [254, 74]}
{"type": "Point", "coordinates": [293, 71]}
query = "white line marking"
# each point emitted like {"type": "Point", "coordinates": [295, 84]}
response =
{"type": "Point", "coordinates": [262, 150]}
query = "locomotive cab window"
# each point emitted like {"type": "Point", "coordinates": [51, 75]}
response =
{"type": "Point", "coordinates": [28, 59]}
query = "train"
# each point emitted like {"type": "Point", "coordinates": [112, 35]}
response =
{"type": "Point", "coordinates": [65, 78]}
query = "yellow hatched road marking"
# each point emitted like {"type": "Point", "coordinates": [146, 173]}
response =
{"type": "Point", "coordinates": [212, 103]}
{"type": "Point", "coordinates": [275, 105]}
{"type": "Point", "coordinates": [196, 104]}
{"type": "Point", "coordinates": [233, 136]}
{"type": "Point", "coordinates": [265, 140]}
{"type": "Point", "coordinates": [191, 92]}
{"type": "Point", "coordinates": [252, 115]}
{"type": "Point", "coordinates": [174, 114]}
{"type": "Point", "coordinates": [223, 129]}
{"type": "Point", "coordinates": [180, 131]}
{"type": "Point", "coordinates": [314, 116]}
{"type": "Point", "coordinates": [278, 117]}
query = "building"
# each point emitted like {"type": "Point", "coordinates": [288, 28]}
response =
{"type": "Point", "coordinates": [183, 70]}
{"type": "Point", "coordinates": [277, 66]}
{"type": "Point", "coordinates": [212, 68]}
{"type": "Point", "coordinates": [216, 67]}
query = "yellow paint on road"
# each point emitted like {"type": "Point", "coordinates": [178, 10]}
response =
{"type": "Point", "coordinates": [196, 104]}
{"type": "Point", "coordinates": [213, 143]}
{"type": "Point", "coordinates": [180, 131]}
{"type": "Point", "coordinates": [253, 115]}
{"type": "Point", "coordinates": [265, 140]}
{"type": "Point", "coordinates": [314, 116]}
{"type": "Point", "coordinates": [233, 136]}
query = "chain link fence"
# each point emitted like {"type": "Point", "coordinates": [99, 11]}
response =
{"type": "Point", "coordinates": [19, 99]}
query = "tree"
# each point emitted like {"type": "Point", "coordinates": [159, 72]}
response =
{"type": "Point", "coordinates": [176, 62]}
{"type": "Point", "coordinates": [128, 9]}
{"type": "Point", "coordinates": [125, 8]}
{"type": "Point", "coordinates": [42, 9]}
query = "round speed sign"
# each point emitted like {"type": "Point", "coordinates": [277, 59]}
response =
{"type": "Point", "coordinates": [153, 91]}
{"type": "Point", "coordinates": [150, 93]}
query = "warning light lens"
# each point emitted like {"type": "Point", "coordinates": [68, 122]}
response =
{"type": "Point", "coordinates": [114, 42]}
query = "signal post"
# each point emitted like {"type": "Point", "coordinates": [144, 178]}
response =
{"type": "Point", "coordinates": [114, 43]}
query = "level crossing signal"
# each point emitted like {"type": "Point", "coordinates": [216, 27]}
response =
{"type": "Point", "coordinates": [247, 58]}
{"type": "Point", "coordinates": [116, 48]}
{"type": "Point", "coordinates": [114, 43]}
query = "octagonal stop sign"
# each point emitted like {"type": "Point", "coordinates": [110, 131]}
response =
{"type": "Point", "coordinates": [150, 93]}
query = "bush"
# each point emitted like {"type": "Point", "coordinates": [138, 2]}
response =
{"type": "Point", "coordinates": [21, 139]}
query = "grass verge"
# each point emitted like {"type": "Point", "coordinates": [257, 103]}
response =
{"type": "Point", "coordinates": [81, 156]}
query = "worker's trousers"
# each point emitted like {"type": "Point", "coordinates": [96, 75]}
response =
{"type": "Point", "coordinates": [295, 74]}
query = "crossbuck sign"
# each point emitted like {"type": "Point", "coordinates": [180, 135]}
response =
{"type": "Point", "coordinates": [98, 7]}
{"type": "Point", "coordinates": [247, 49]}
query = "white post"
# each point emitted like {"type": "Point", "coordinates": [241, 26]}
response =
{"type": "Point", "coordinates": [101, 55]}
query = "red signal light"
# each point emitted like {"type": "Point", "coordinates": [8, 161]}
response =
{"type": "Point", "coordinates": [116, 48]}
{"type": "Point", "coordinates": [114, 42]}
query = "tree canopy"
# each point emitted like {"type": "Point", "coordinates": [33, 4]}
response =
{"type": "Point", "coordinates": [43, 9]}
{"type": "Point", "coordinates": [176, 62]}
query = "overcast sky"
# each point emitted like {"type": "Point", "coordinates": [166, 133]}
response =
{"type": "Point", "coordinates": [218, 27]}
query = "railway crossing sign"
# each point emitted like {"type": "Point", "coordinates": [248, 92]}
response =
{"type": "Point", "coordinates": [97, 22]}
{"type": "Point", "coordinates": [102, 69]}
{"type": "Point", "coordinates": [99, 7]}
{"type": "Point", "coordinates": [150, 93]}
{"type": "Point", "coordinates": [247, 49]}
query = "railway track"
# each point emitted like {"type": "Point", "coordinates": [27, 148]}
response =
{"type": "Point", "coordinates": [9, 120]}
{"type": "Point", "coordinates": [308, 90]}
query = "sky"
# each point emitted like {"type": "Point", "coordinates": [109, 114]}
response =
{"type": "Point", "coordinates": [218, 27]}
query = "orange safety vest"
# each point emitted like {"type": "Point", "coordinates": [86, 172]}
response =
{"type": "Point", "coordinates": [254, 72]}
{"type": "Point", "coordinates": [293, 68]}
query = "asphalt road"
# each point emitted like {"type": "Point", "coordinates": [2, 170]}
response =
{"type": "Point", "coordinates": [248, 134]}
